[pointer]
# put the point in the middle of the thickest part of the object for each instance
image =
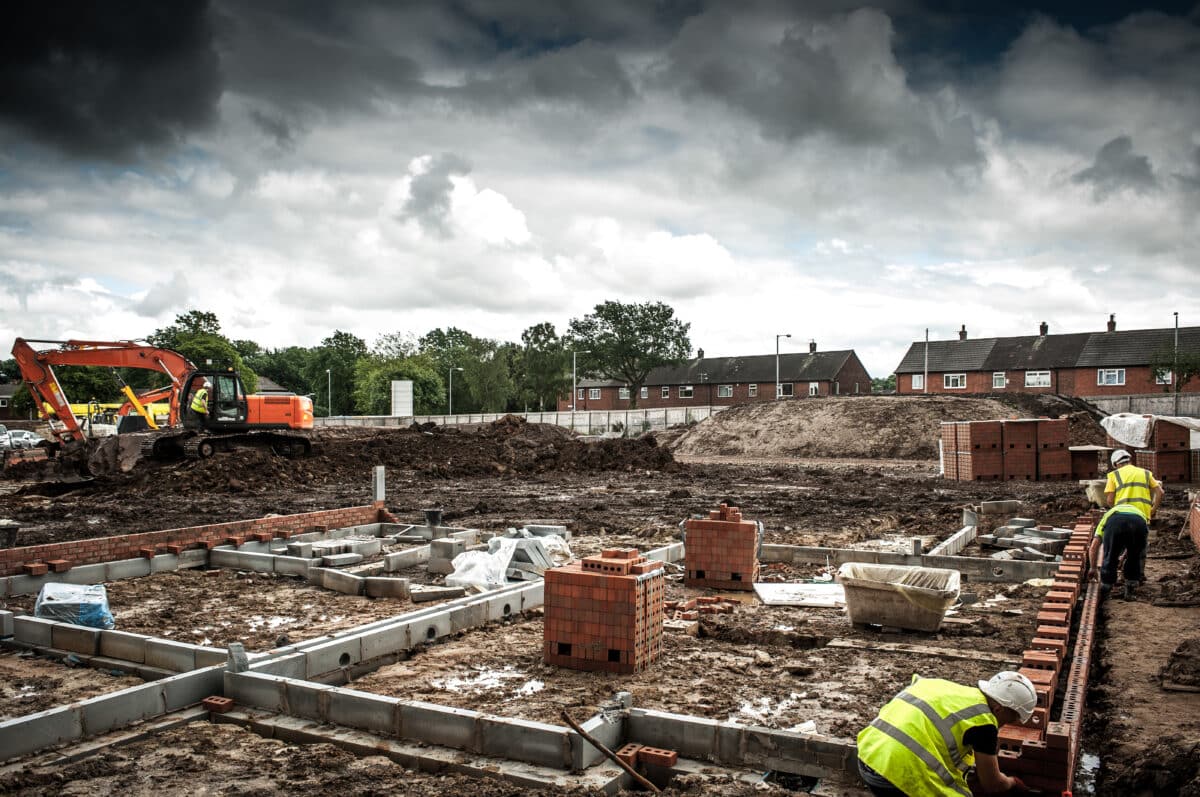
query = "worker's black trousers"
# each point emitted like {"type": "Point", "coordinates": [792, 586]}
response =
{"type": "Point", "coordinates": [1124, 534]}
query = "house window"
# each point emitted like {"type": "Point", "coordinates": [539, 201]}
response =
{"type": "Point", "coordinates": [814, 388]}
{"type": "Point", "coordinates": [1037, 379]}
{"type": "Point", "coordinates": [1110, 376]}
{"type": "Point", "coordinates": [999, 381]}
{"type": "Point", "coordinates": [3, 402]}
{"type": "Point", "coordinates": [918, 381]}
{"type": "Point", "coordinates": [1161, 378]}
{"type": "Point", "coordinates": [786, 389]}
{"type": "Point", "coordinates": [593, 393]}
{"type": "Point", "coordinates": [580, 393]}
{"type": "Point", "coordinates": [685, 391]}
{"type": "Point", "coordinates": [666, 391]}
{"type": "Point", "coordinates": [623, 393]}
{"type": "Point", "coordinates": [954, 381]}
{"type": "Point", "coordinates": [645, 393]}
{"type": "Point", "coordinates": [754, 390]}
{"type": "Point", "coordinates": [724, 391]}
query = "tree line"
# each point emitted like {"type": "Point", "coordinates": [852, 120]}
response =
{"type": "Point", "coordinates": [346, 376]}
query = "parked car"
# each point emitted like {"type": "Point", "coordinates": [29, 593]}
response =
{"type": "Point", "coordinates": [22, 438]}
{"type": "Point", "coordinates": [5, 444]}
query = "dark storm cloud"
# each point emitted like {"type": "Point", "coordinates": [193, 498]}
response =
{"type": "Point", "coordinates": [582, 75]}
{"type": "Point", "coordinates": [1118, 167]}
{"type": "Point", "coordinates": [107, 79]}
{"type": "Point", "coordinates": [429, 193]}
{"type": "Point", "coordinates": [275, 127]}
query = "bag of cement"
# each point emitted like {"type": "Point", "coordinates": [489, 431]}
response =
{"type": "Point", "coordinates": [74, 603]}
{"type": "Point", "coordinates": [487, 570]}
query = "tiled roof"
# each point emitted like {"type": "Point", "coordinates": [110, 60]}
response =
{"type": "Point", "coordinates": [1076, 350]}
{"type": "Point", "coordinates": [822, 366]}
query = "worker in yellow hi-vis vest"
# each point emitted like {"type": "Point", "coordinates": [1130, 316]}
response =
{"type": "Point", "coordinates": [200, 400]}
{"type": "Point", "coordinates": [928, 738]}
{"type": "Point", "coordinates": [1134, 495]}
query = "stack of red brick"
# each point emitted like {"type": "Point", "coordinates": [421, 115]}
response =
{"type": "Point", "coordinates": [692, 609]}
{"type": "Point", "coordinates": [1042, 753]}
{"type": "Point", "coordinates": [634, 754]}
{"type": "Point", "coordinates": [722, 551]}
{"type": "Point", "coordinates": [605, 613]}
{"type": "Point", "coordinates": [1031, 449]}
{"type": "Point", "coordinates": [1169, 456]}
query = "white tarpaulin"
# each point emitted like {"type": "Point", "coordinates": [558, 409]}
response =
{"type": "Point", "coordinates": [1136, 431]}
{"type": "Point", "coordinates": [829, 596]}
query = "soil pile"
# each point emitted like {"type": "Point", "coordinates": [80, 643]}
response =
{"type": "Point", "coordinates": [1183, 668]}
{"type": "Point", "coordinates": [1172, 766]}
{"type": "Point", "coordinates": [861, 427]}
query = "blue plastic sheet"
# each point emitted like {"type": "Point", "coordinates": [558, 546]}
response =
{"type": "Point", "coordinates": [77, 604]}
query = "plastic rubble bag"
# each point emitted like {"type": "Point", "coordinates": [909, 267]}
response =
{"type": "Point", "coordinates": [486, 570]}
{"type": "Point", "coordinates": [78, 604]}
{"type": "Point", "coordinates": [556, 546]}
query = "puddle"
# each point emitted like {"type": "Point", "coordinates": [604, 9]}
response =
{"type": "Point", "coordinates": [487, 679]}
{"type": "Point", "coordinates": [764, 711]}
{"type": "Point", "coordinates": [1086, 772]}
{"type": "Point", "coordinates": [270, 623]}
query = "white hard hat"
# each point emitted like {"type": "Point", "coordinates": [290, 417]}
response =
{"type": "Point", "coordinates": [1120, 455]}
{"type": "Point", "coordinates": [1012, 690]}
{"type": "Point", "coordinates": [207, 383]}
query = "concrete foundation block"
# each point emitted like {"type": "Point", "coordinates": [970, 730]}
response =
{"type": "Point", "coordinates": [427, 629]}
{"type": "Point", "coordinates": [693, 737]}
{"type": "Point", "coordinates": [382, 587]}
{"type": "Point", "coordinates": [385, 641]}
{"type": "Point", "coordinates": [369, 547]}
{"type": "Point", "coordinates": [308, 536]}
{"type": "Point", "coordinates": [5, 581]}
{"type": "Point", "coordinates": [446, 549]}
{"type": "Point", "coordinates": [469, 616]}
{"type": "Point", "coordinates": [441, 567]}
{"type": "Point", "coordinates": [402, 560]}
{"type": "Point", "coordinates": [173, 656]}
{"type": "Point", "coordinates": [126, 568]}
{"type": "Point", "coordinates": [300, 549]}
{"type": "Point", "coordinates": [85, 574]}
{"type": "Point", "coordinates": [731, 742]}
{"type": "Point", "coordinates": [307, 700]}
{"type": "Point", "coordinates": [331, 655]}
{"type": "Point", "coordinates": [503, 606]}
{"type": "Point", "coordinates": [533, 596]}
{"type": "Point", "coordinates": [31, 585]}
{"type": "Point", "coordinates": [6, 624]}
{"type": "Point", "coordinates": [524, 740]}
{"type": "Point", "coordinates": [255, 689]}
{"type": "Point", "coordinates": [610, 734]}
{"type": "Point", "coordinates": [164, 563]}
{"type": "Point", "coordinates": [341, 559]}
{"type": "Point", "coordinates": [116, 710]}
{"type": "Point", "coordinates": [124, 646]}
{"type": "Point", "coordinates": [362, 710]}
{"type": "Point", "coordinates": [75, 639]}
{"type": "Point", "coordinates": [33, 630]}
{"type": "Point", "coordinates": [194, 557]}
{"type": "Point", "coordinates": [211, 657]}
{"type": "Point", "coordinates": [442, 725]}
{"type": "Point", "coordinates": [189, 688]}
{"type": "Point", "coordinates": [34, 732]}
{"type": "Point", "coordinates": [287, 665]}
{"type": "Point", "coordinates": [340, 581]}
{"type": "Point", "coordinates": [293, 565]}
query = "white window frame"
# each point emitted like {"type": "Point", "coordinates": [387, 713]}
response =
{"type": "Point", "coordinates": [948, 379]}
{"type": "Point", "coordinates": [1163, 378]}
{"type": "Point", "coordinates": [666, 391]}
{"type": "Point", "coordinates": [814, 388]}
{"type": "Point", "coordinates": [1000, 380]}
{"type": "Point", "coordinates": [1040, 382]}
{"type": "Point", "coordinates": [786, 390]}
{"type": "Point", "coordinates": [3, 402]}
{"type": "Point", "coordinates": [645, 393]}
{"type": "Point", "coordinates": [593, 394]}
{"type": "Point", "coordinates": [686, 391]}
{"type": "Point", "coordinates": [754, 390]}
{"type": "Point", "coordinates": [724, 391]}
{"type": "Point", "coordinates": [623, 393]}
{"type": "Point", "coordinates": [1110, 376]}
{"type": "Point", "coordinates": [918, 381]}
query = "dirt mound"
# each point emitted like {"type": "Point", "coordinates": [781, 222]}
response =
{"type": "Point", "coordinates": [1183, 667]}
{"type": "Point", "coordinates": [1172, 766]}
{"type": "Point", "coordinates": [859, 427]}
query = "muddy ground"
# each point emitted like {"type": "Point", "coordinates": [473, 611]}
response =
{"type": "Point", "coordinates": [635, 493]}
{"type": "Point", "coordinates": [31, 683]}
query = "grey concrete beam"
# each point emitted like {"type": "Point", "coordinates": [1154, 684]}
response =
{"type": "Point", "coordinates": [441, 725]}
{"type": "Point", "coordinates": [126, 568]}
{"type": "Point", "coordinates": [33, 732]}
{"type": "Point", "coordinates": [362, 710]}
{"type": "Point", "coordinates": [402, 560]}
{"type": "Point", "coordinates": [164, 562]}
{"type": "Point", "coordinates": [123, 645]}
{"type": "Point", "coordinates": [85, 574]}
{"type": "Point", "coordinates": [255, 689]}
{"type": "Point", "coordinates": [108, 712]}
{"type": "Point", "coordinates": [170, 655]}
{"type": "Point", "coordinates": [955, 543]}
{"type": "Point", "coordinates": [75, 638]}
{"type": "Point", "coordinates": [974, 568]}
{"type": "Point", "coordinates": [610, 734]}
{"type": "Point", "coordinates": [189, 688]}
{"type": "Point", "coordinates": [293, 565]}
{"type": "Point", "coordinates": [6, 624]}
{"type": "Point", "coordinates": [33, 630]}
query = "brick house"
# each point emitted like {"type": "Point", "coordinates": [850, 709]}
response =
{"type": "Point", "coordinates": [7, 391]}
{"type": "Point", "coordinates": [704, 381]}
{"type": "Point", "coordinates": [1084, 364]}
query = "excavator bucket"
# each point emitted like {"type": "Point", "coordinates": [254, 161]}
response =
{"type": "Point", "coordinates": [117, 454]}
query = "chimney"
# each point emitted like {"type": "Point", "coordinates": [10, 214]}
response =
{"type": "Point", "coordinates": [1043, 329]}
{"type": "Point", "coordinates": [700, 354]}
{"type": "Point", "coordinates": [1112, 322]}
{"type": "Point", "coordinates": [812, 347]}
{"type": "Point", "coordinates": [962, 333]}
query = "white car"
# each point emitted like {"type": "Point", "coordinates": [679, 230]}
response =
{"type": "Point", "coordinates": [21, 438]}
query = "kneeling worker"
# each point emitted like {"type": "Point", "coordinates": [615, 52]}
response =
{"type": "Point", "coordinates": [927, 738]}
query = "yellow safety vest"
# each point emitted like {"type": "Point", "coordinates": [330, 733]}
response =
{"type": "Point", "coordinates": [200, 401]}
{"type": "Point", "coordinates": [1132, 485]}
{"type": "Point", "coordinates": [916, 742]}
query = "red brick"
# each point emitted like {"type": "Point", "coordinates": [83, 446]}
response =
{"type": "Point", "coordinates": [34, 568]}
{"type": "Point", "coordinates": [629, 753]}
{"type": "Point", "coordinates": [58, 565]}
{"type": "Point", "coordinates": [217, 704]}
{"type": "Point", "coordinates": [658, 756]}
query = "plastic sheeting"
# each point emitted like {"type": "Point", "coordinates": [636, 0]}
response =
{"type": "Point", "coordinates": [74, 603]}
{"type": "Point", "coordinates": [894, 595]}
{"type": "Point", "coordinates": [1136, 431]}
{"type": "Point", "coordinates": [488, 570]}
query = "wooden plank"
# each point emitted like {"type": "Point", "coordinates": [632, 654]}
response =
{"type": "Point", "coordinates": [923, 650]}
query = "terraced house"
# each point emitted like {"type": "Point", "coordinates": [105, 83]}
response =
{"type": "Point", "coordinates": [1089, 365]}
{"type": "Point", "coordinates": [704, 381]}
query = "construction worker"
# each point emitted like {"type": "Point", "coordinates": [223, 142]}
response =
{"type": "Point", "coordinates": [200, 400]}
{"type": "Point", "coordinates": [1134, 495]}
{"type": "Point", "coordinates": [927, 738]}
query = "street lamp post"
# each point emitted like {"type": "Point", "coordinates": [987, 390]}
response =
{"type": "Point", "coordinates": [1175, 365]}
{"type": "Point", "coordinates": [575, 384]}
{"type": "Point", "coordinates": [450, 393]}
{"type": "Point", "coordinates": [329, 391]}
{"type": "Point", "coordinates": [777, 390]}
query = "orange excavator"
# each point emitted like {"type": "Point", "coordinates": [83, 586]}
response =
{"type": "Point", "coordinates": [224, 417]}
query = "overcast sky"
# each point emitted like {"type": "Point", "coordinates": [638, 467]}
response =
{"type": "Point", "coordinates": [849, 174]}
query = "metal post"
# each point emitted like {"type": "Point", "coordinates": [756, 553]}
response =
{"type": "Point", "coordinates": [777, 337]}
{"type": "Point", "coordinates": [575, 385]}
{"type": "Point", "coordinates": [925, 378]}
{"type": "Point", "coordinates": [450, 392]}
{"type": "Point", "coordinates": [1175, 364]}
{"type": "Point", "coordinates": [329, 391]}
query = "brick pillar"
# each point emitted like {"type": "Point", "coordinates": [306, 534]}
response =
{"type": "Point", "coordinates": [722, 552]}
{"type": "Point", "coordinates": [605, 613]}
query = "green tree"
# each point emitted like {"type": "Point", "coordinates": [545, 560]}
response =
{"type": "Point", "coordinates": [545, 366]}
{"type": "Point", "coordinates": [193, 322]}
{"type": "Point", "coordinates": [487, 377]}
{"type": "Point", "coordinates": [887, 385]}
{"type": "Point", "coordinates": [456, 348]}
{"type": "Point", "coordinates": [627, 341]}
{"type": "Point", "coordinates": [286, 366]}
{"type": "Point", "coordinates": [332, 364]}
{"type": "Point", "coordinates": [1180, 366]}
{"type": "Point", "coordinates": [373, 376]}
{"type": "Point", "coordinates": [196, 335]}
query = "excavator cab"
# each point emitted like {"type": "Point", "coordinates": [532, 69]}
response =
{"type": "Point", "coordinates": [227, 406]}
